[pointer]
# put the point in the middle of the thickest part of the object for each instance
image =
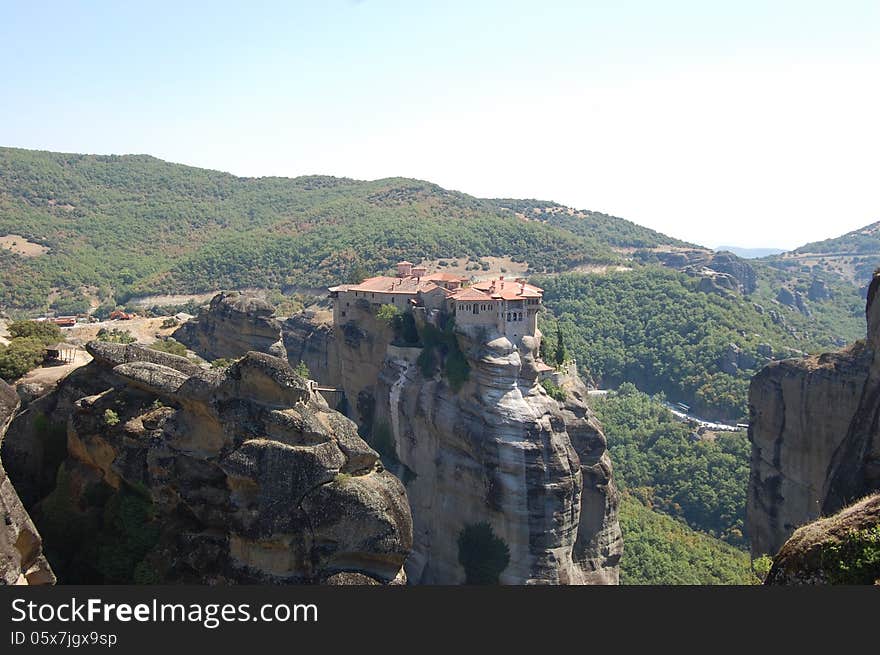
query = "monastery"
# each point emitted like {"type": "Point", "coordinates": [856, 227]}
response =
{"type": "Point", "coordinates": [509, 305]}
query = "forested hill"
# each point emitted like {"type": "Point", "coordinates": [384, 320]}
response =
{"type": "Point", "coordinates": [79, 227]}
{"type": "Point", "coordinates": [851, 257]}
{"type": "Point", "coordinates": [865, 240]}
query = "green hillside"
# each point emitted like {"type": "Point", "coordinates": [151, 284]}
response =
{"type": "Point", "coordinates": [865, 240]}
{"type": "Point", "coordinates": [122, 225]}
{"type": "Point", "coordinates": [660, 550]}
{"type": "Point", "coordinates": [659, 459]}
{"type": "Point", "coordinates": [653, 327]}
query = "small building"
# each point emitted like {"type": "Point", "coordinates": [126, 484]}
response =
{"type": "Point", "coordinates": [64, 321]}
{"type": "Point", "coordinates": [59, 353]}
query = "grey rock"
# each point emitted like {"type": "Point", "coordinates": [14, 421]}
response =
{"type": "Point", "coordinates": [242, 469]}
{"type": "Point", "coordinates": [815, 446]}
{"type": "Point", "coordinates": [233, 324]}
{"type": "Point", "coordinates": [21, 547]}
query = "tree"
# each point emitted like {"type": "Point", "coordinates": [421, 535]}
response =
{"type": "Point", "coordinates": [302, 370]}
{"type": "Point", "coordinates": [387, 314]}
{"type": "Point", "coordinates": [482, 554]}
{"type": "Point", "coordinates": [20, 356]}
{"type": "Point", "coordinates": [561, 354]}
{"type": "Point", "coordinates": [44, 331]}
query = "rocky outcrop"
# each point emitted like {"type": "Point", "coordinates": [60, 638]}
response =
{"type": "Point", "coordinates": [233, 324]}
{"type": "Point", "coordinates": [815, 437]}
{"type": "Point", "coordinates": [840, 549]}
{"type": "Point", "coordinates": [178, 474]}
{"type": "Point", "coordinates": [736, 267]}
{"type": "Point", "coordinates": [793, 299]}
{"type": "Point", "coordinates": [719, 272]}
{"type": "Point", "coordinates": [496, 471]}
{"type": "Point", "coordinates": [21, 549]}
{"type": "Point", "coordinates": [818, 291]}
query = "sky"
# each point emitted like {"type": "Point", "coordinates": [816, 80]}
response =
{"type": "Point", "coordinates": [739, 123]}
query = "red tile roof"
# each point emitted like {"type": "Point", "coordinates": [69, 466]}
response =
{"type": "Point", "coordinates": [446, 277]}
{"type": "Point", "coordinates": [471, 294]}
{"type": "Point", "coordinates": [508, 289]}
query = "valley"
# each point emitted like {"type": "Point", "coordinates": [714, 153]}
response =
{"type": "Point", "coordinates": [483, 416]}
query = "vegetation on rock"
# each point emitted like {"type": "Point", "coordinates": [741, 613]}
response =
{"type": "Point", "coordinates": [483, 555]}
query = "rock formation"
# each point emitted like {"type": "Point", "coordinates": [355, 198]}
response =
{"type": "Point", "coordinates": [720, 272]}
{"type": "Point", "coordinates": [815, 437]}
{"type": "Point", "coordinates": [233, 324]}
{"type": "Point", "coordinates": [178, 474]}
{"type": "Point", "coordinates": [21, 548]}
{"type": "Point", "coordinates": [309, 338]}
{"type": "Point", "coordinates": [497, 458]}
{"type": "Point", "coordinates": [841, 549]}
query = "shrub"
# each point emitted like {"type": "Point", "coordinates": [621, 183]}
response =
{"type": "Point", "coordinates": [46, 332]}
{"type": "Point", "coordinates": [302, 370]}
{"type": "Point", "coordinates": [111, 418]}
{"type": "Point", "coordinates": [20, 356]}
{"type": "Point", "coordinates": [387, 314]}
{"type": "Point", "coordinates": [761, 566]}
{"type": "Point", "coordinates": [554, 391]}
{"type": "Point", "coordinates": [855, 559]}
{"type": "Point", "coordinates": [169, 346]}
{"type": "Point", "coordinates": [115, 335]}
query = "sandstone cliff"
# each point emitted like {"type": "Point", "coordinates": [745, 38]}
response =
{"type": "Point", "coordinates": [815, 437]}
{"type": "Point", "coordinates": [841, 549]}
{"type": "Point", "coordinates": [499, 475]}
{"type": "Point", "coordinates": [177, 474]}
{"type": "Point", "coordinates": [233, 324]}
{"type": "Point", "coordinates": [21, 549]}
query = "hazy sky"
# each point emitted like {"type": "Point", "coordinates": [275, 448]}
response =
{"type": "Point", "coordinates": [738, 122]}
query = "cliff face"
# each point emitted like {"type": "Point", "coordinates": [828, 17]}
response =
{"type": "Point", "coordinates": [176, 474]}
{"type": "Point", "coordinates": [496, 472]}
{"type": "Point", "coordinates": [814, 433]}
{"type": "Point", "coordinates": [308, 337]}
{"type": "Point", "coordinates": [232, 325]}
{"type": "Point", "coordinates": [21, 548]}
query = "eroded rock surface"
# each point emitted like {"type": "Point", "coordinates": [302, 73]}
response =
{"type": "Point", "coordinates": [21, 547]}
{"type": "Point", "coordinates": [815, 437]}
{"type": "Point", "coordinates": [233, 324]}
{"type": "Point", "coordinates": [178, 474]}
{"type": "Point", "coordinates": [497, 453]}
